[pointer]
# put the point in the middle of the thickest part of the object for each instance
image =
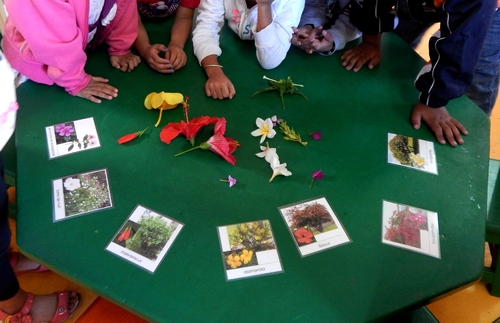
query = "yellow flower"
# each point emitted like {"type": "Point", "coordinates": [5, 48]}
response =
{"type": "Point", "coordinates": [233, 261]}
{"type": "Point", "coordinates": [417, 160]}
{"type": "Point", "coordinates": [246, 256]}
{"type": "Point", "coordinates": [258, 238]}
{"type": "Point", "coordinates": [162, 101]}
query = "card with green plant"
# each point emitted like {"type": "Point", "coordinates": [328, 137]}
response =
{"type": "Point", "coordinates": [80, 194]}
{"type": "Point", "coordinates": [314, 226]}
{"type": "Point", "coordinates": [144, 238]}
{"type": "Point", "coordinates": [248, 250]}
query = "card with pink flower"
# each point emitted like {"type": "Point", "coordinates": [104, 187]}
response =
{"type": "Point", "coordinates": [71, 137]}
{"type": "Point", "coordinates": [411, 228]}
{"type": "Point", "coordinates": [314, 226]}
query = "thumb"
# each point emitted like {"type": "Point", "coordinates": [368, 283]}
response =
{"type": "Point", "coordinates": [327, 36]}
{"type": "Point", "coordinates": [416, 119]}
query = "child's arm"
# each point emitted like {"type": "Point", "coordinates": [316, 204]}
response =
{"type": "Point", "coordinates": [150, 53]}
{"type": "Point", "coordinates": [123, 31]}
{"type": "Point", "coordinates": [206, 48]}
{"type": "Point", "coordinates": [179, 35]}
{"type": "Point", "coordinates": [273, 34]}
{"type": "Point", "coordinates": [58, 48]}
{"type": "Point", "coordinates": [218, 86]}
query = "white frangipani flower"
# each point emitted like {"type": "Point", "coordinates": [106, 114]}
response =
{"type": "Point", "coordinates": [265, 129]}
{"type": "Point", "coordinates": [278, 169]}
{"type": "Point", "coordinates": [267, 153]}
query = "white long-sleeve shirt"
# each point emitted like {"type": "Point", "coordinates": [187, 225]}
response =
{"type": "Point", "coordinates": [272, 43]}
{"type": "Point", "coordinates": [315, 13]}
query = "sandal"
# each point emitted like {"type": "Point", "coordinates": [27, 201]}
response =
{"type": "Point", "coordinates": [60, 315]}
{"type": "Point", "coordinates": [14, 258]}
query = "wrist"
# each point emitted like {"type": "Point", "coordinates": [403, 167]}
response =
{"type": "Point", "coordinates": [328, 52]}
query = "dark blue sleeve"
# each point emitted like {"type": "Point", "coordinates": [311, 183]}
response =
{"type": "Point", "coordinates": [455, 52]}
{"type": "Point", "coordinates": [372, 17]}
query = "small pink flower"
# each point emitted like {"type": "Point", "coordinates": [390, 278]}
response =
{"type": "Point", "coordinates": [318, 175]}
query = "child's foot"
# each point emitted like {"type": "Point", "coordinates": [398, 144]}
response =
{"type": "Point", "coordinates": [52, 308]}
{"type": "Point", "coordinates": [22, 264]}
{"type": "Point", "coordinates": [45, 307]}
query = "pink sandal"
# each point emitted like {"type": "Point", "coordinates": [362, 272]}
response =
{"type": "Point", "coordinates": [14, 258]}
{"type": "Point", "coordinates": [60, 315]}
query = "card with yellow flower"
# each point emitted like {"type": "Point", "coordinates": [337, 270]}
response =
{"type": "Point", "coordinates": [411, 152]}
{"type": "Point", "coordinates": [314, 226]}
{"type": "Point", "coordinates": [249, 250]}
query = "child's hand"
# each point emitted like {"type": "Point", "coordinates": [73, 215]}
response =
{"type": "Point", "coordinates": [218, 86]}
{"type": "Point", "coordinates": [97, 88]}
{"type": "Point", "coordinates": [302, 37]}
{"type": "Point", "coordinates": [177, 57]}
{"type": "Point", "coordinates": [125, 62]}
{"type": "Point", "coordinates": [323, 42]}
{"type": "Point", "coordinates": [155, 61]}
{"type": "Point", "coordinates": [440, 122]}
{"type": "Point", "coordinates": [358, 56]}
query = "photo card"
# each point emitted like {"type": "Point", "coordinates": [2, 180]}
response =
{"type": "Point", "coordinates": [314, 226]}
{"type": "Point", "coordinates": [144, 238]}
{"type": "Point", "coordinates": [249, 250]}
{"type": "Point", "coordinates": [411, 152]}
{"type": "Point", "coordinates": [411, 228]}
{"type": "Point", "coordinates": [71, 137]}
{"type": "Point", "coordinates": [80, 194]}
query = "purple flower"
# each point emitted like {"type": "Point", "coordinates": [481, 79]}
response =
{"type": "Point", "coordinates": [317, 174]}
{"type": "Point", "coordinates": [64, 130]}
{"type": "Point", "coordinates": [230, 180]}
{"type": "Point", "coordinates": [315, 135]}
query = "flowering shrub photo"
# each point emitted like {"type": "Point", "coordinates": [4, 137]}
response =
{"type": "Point", "coordinates": [310, 216]}
{"type": "Point", "coordinates": [404, 226]}
{"type": "Point", "coordinates": [86, 192]}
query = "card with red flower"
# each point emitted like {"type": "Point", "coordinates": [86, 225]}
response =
{"type": "Point", "coordinates": [145, 238]}
{"type": "Point", "coordinates": [249, 250]}
{"type": "Point", "coordinates": [411, 228]}
{"type": "Point", "coordinates": [314, 226]}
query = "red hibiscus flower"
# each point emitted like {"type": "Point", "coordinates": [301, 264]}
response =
{"type": "Point", "coordinates": [303, 235]}
{"type": "Point", "coordinates": [219, 144]}
{"type": "Point", "coordinates": [188, 128]}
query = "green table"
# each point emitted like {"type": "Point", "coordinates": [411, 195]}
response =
{"type": "Point", "coordinates": [361, 281]}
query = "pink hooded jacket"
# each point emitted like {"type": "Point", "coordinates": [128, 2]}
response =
{"type": "Point", "coordinates": [45, 39]}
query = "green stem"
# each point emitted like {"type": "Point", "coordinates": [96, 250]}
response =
{"type": "Point", "coordinates": [185, 151]}
{"type": "Point", "coordinates": [312, 181]}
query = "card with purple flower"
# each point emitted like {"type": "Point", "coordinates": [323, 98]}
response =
{"type": "Point", "coordinates": [71, 137]}
{"type": "Point", "coordinates": [411, 228]}
{"type": "Point", "coordinates": [80, 194]}
{"type": "Point", "coordinates": [314, 226]}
